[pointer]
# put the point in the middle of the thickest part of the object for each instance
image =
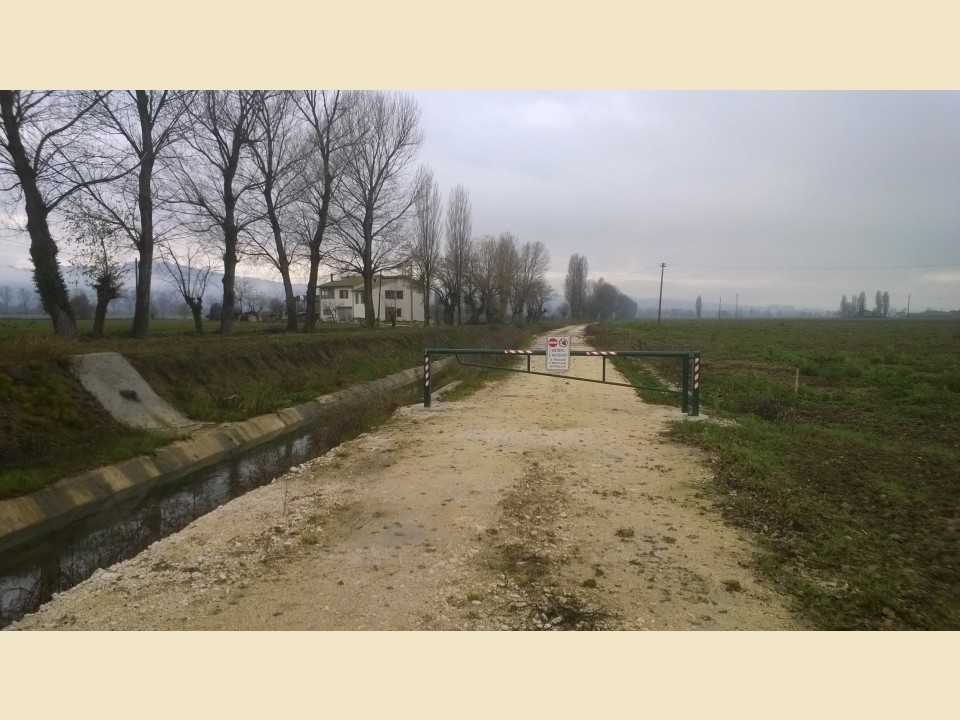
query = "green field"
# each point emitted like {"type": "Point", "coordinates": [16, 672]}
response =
{"type": "Point", "coordinates": [851, 484]}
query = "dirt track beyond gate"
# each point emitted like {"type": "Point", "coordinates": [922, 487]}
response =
{"type": "Point", "coordinates": [537, 503]}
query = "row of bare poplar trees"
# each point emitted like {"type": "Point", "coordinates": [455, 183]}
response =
{"type": "Point", "coordinates": [283, 178]}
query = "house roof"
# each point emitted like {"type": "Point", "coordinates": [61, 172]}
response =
{"type": "Point", "coordinates": [356, 281]}
{"type": "Point", "coordinates": [347, 282]}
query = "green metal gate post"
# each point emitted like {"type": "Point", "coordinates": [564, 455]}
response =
{"type": "Point", "coordinates": [695, 411]}
{"type": "Point", "coordinates": [685, 385]}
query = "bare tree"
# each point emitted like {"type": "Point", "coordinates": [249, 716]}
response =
{"type": "Point", "coordinates": [280, 159]}
{"type": "Point", "coordinates": [377, 191]}
{"type": "Point", "coordinates": [532, 263]}
{"type": "Point", "coordinates": [326, 114]}
{"type": "Point", "coordinates": [25, 297]}
{"type": "Point", "coordinates": [459, 230]}
{"type": "Point", "coordinates": [484, 272]}
{"type": "Point", "coordinates": [6, 296]}
{"type": "Point", "coordinates": [216, 181]}
{"type": "Point", "coordinates": [540, 294]}
{"type": "Point", "coordinates": [244, 291]}
{"type": "Point", "coordinates": [147, 124]}
{"type": "Point", "coordinates": [189, 269]}
{"type": "Point", "coordinates": [575, 285]}
{"type": "Point", "coordinates": [43, 146]}
{"type": "Point", "coordinates": [427, 231]}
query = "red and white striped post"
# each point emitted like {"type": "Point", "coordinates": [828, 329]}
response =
{"type": "Point", "coordinates": [426, 380]}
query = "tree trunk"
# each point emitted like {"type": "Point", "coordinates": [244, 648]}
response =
{"type": "Point", "coordinates": [104, 296]}
{"type": "Point", "coordinates": [141, 313]}
{"type": "Point", "coordinates": [315, 243]}
{"type": "Point", "coordinates": [283, 262]}
{"type": "Point", "coordinates": [310, 322]}
{"type": "Point", "coordinates": [43, 248]}
{"type": "Point", "coordinates": [196, 307]}
{"type": "Point", "coordinates": [369, 310]}
{"type": "Point", "coordinates": [229, 293]}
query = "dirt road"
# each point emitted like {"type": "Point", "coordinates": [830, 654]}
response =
{"type": "Point", "coordinates": [538, 503]}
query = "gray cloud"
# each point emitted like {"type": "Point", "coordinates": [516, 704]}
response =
{"type": "Point", "coordinates": [734, 180]}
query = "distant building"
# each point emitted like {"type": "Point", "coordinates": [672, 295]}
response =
{"type": "Point", "coordinates": [393, 297]}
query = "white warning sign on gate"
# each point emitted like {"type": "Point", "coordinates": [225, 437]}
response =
{"type": "Point", "coordinates": [558, 353]}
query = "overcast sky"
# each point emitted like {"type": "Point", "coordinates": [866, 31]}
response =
{"type": "Point", "coordinates": [781, 197]}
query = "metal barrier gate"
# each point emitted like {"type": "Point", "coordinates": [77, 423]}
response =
{"type": "Point", "coordinates": [689, 391]}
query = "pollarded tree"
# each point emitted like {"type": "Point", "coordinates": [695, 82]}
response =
{"type": "Point", "coordinates": [189, 268]}
{"type": "Point", "coordinates": [377, 189]}
{"type": "Point", "coordinates": [99, 255]}
{"type": "Point", "coordinates": [575, 285]}
{"type": "Point", "coordinates": [47, 154]}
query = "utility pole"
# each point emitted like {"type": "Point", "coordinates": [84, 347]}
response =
{"type": "Point", "coordinates": [736, 312]}
{"type": "Point", "coordinates": [660, 304]}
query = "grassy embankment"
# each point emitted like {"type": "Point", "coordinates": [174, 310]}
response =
{"type": "Point", "coordinates": [51, 428]}
{"type": "Point", "coordinates": [853, 483]}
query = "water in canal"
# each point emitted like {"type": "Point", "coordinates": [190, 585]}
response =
{"type": "Point", "coordinates": [30, 574]}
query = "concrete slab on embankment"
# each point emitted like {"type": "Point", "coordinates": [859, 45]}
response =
{"type": "Point", "coordinates": [31, 516]}
{"type": "Point", "coordinates": [123, 392]}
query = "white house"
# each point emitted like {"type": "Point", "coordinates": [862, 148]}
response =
{"type": "Point", "coordinates": [393, 297]}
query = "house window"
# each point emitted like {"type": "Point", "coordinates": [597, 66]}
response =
{"type": "Point", "coordinates": [393, 294]}
{"type": "Point", "coordinates": [344, 294]}
{"type": "Point", "coordinates": [398, 312]}
{"type": "Point", "coordinates": [326, 293]}
{"type": "Point", "coordinates": [358, 298]}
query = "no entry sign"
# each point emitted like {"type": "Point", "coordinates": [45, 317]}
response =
{"type": "Point", "coordinates": [558, 353]}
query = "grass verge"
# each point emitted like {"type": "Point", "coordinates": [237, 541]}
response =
{"type": "Point", "coordinates": [51, 428]}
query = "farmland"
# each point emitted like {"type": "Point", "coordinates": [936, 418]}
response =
{"type": "Point", "coordinates": [851, 483]}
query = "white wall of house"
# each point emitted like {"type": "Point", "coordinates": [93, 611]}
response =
{"type": "Point", "coordinates": [391, 295]}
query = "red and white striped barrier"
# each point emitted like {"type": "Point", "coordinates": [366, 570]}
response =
{"type": "Point", "coordinates": [518, 352]}
{"type": "Point", "coordinates": [601, 352]}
